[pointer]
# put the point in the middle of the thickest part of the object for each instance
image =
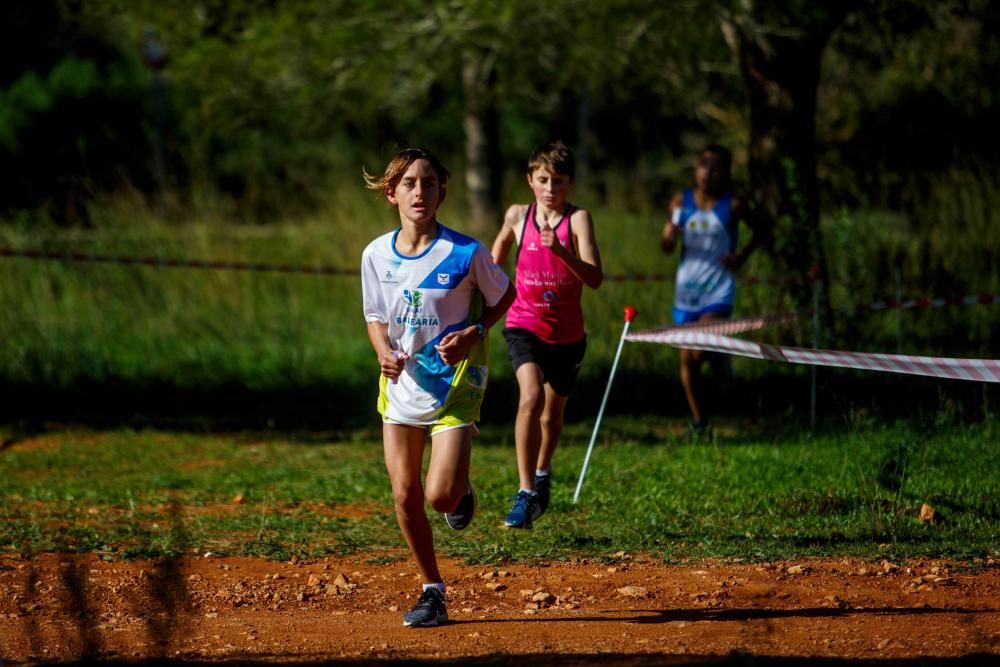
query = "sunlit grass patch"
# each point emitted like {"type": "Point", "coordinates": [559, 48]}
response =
{"type": "Point", "coordinates": [746, 494]}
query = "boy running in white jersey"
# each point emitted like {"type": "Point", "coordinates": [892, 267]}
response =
{"type": "Point", "coordinates": [707, 218]}
{"type": "Point", "coordinates": [430, 297]}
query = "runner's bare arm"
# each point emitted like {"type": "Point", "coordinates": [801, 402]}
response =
{"type": "Point", "coordinates": [586, 264]}
{"type": "Point", "coordinates": [581, 234]}
{"type": "Point", "coordinates": [454, 346]}
{"type": "Point", "coordinates": [390, 361]}
{"type": "Point", "coordinates": [507, 236]}
{"type": "Point", "coordinates": [671, 230]}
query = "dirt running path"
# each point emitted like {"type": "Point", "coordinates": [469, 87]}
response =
{"type": "Point", "coordinates": [632, 611]}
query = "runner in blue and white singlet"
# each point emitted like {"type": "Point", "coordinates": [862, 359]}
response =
{"type": "Point", "coordinates": [704, 284]}
{"type": "Point", "coordinates": [422, 299]}
{"type": "Point", "coordinates": [704, 220]}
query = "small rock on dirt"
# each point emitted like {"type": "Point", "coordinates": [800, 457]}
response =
{"type": "Point", "coordinates": [633, 591]}
{"type": "Point", "coordinates": [543, 597]}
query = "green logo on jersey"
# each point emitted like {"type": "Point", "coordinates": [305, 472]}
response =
{"type": "Point", "coordinates": [414, 298]}
{"type": "Point", "coordinates": [414, 306]}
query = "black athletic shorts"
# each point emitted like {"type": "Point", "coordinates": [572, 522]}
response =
{"type": "Point", "coordinates": [560, 363]}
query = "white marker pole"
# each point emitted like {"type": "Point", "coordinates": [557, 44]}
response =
{"type": "Point", "coordinates": [630, 313]}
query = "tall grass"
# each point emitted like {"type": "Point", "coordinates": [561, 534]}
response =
{"type": "Point", "coordinates": [948, 249]}
{"type": "Point", "coordinates": [66, 325]}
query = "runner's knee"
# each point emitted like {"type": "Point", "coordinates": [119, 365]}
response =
{"type": "Point", "coordinates": [408, 498]}
{"type": "Point", "coordinates": [532, 400]}
{"type": "Point", "coordinates": [444, 498]}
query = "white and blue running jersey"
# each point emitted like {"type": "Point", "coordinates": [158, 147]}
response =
{"type": "Point", "coordinates": [422, 299]}
{"type": "Point", "coordinates": [703, 283]}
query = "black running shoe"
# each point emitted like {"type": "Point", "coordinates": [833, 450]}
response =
{"type": "Point", "coordinates": [543, 487]}
{"type": "Point", "coordinates": [462, 516]}
{"type": "Point", "coordinates": [428, 612]}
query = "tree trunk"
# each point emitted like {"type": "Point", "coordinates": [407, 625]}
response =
{"type": "Point", "coordinates": [781, 70]}
{"type": "Point", "coordinates": [481, 125]}
{"type": "Point", "coordinates": [782, 83]}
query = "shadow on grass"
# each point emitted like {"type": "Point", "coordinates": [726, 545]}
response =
{"type": "Point", "coordinates": [778, 398]}
{"type": "Point", "coordinates": [19, 431]}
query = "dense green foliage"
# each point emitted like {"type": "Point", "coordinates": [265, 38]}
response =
{"type": "Point", "coordinates": [749, 495]}
{"type": "Point", "coordinates": [268, 105]}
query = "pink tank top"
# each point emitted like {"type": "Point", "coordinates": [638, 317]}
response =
{"type": "Point", "coordinates": [548, 293]}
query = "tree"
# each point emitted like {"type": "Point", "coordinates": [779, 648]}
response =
{"type": "Point", "coordinates": [779, 47]}
{"type": "Point", "coordinates": [71, 112]}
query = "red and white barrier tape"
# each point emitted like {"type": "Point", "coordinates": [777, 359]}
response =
{"type": "Point", "coordinates": [726, 327]}
{"type": "Point", "coordinates": [732, 327]}
{"type": "Point", "coordinates": [977, 370]}
{"type": "Point", "coordinates": [176, 263]}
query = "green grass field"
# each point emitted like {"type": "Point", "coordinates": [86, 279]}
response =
{"type": "Point", "coordinates": [752, 493]}
{"type": "Point", "coordinates": [157, 393]}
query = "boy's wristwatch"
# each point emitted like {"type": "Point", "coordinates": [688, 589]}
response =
{"type": "Point", "coordinates": [481, 330]}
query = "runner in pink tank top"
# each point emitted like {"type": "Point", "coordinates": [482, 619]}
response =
{"type": "Point", "coordinates": [556, 256]}
{"type": "Point", "coordinates": [548, 292]}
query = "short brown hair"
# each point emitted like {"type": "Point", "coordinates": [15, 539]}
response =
{"type": "Point", "coordinates": [400, 162]}
{"type": "Point", "coordinates": [554, 156]}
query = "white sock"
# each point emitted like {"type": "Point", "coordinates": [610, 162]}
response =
{"type": "Point", "coordinates": [542, 473]}
{"type": "Point", "coordinates": [440, 586]}
{"type": "Point", "coordinates": [530, 492]}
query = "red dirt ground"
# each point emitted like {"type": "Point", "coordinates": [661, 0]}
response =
{"type": "Point", "coordinates": [635, 611]}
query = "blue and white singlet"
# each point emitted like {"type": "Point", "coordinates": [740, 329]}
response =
{"type": "Point", "coordinates": [704, 285]}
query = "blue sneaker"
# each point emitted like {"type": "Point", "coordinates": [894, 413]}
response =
{"type": "Point", "coordinates": [543, 487]}
{"type": "Point", "coordinates": [524, 511]}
